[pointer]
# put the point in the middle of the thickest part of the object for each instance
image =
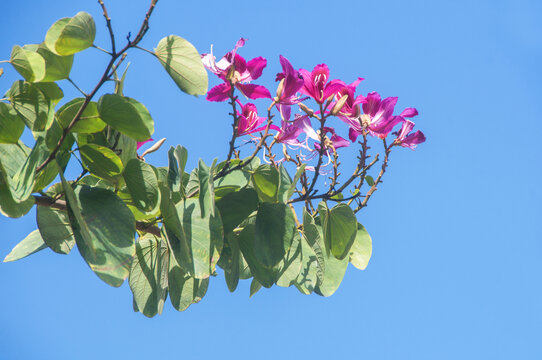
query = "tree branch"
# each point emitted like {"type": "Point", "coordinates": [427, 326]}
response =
{"type": "Point", "coordinates": [61, 205]}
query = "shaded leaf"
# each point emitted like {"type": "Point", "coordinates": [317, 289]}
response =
{"type": "Point", "coordinates": [339, 226]}
{"type": "Point", "coordinates": [104, 230]}
{"type": "Point", "coordinates": [266, 181]}
{"type": "Point", "coordinates": [149, 275]}
{"type": "Point", "coordinates": [236, 207]}
{"type": "Point", "coordinates": [89, 122]}
{"type": "Point", "coordinates": [101, 161]}
{"type": "Point", "coordinates": [29, 64]}
{"type": "Point", "coordinates": [55, 229]}
{"type": "Point", "coordinates": [127, 116]}
{"type": "Point", "coordinates": [274, 233]}
{"type": "Point", "coordinates": [142, 184]}
{"type": "Point", "coordinates": [11, 126]}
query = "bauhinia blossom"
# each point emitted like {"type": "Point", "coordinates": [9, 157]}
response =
{"type": "Point", "coordinates": [316, 83]}
{"type": "Point", "coordinates": [292, 81]}
{"type": "Point", "coordinates": [248, 120]}
{"type": "Point", "coordinates": [289, 131]}
{"type": "Point", "coordinates": [405, 139]}
{"type": "Point", "coordinates": [234, 68]}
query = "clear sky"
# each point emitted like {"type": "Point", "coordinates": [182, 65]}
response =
{"type": "Point", "coordinates": [456, 270]}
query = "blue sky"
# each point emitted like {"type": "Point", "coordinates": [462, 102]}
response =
{"type": "Point", "coordinates": [456, 266]}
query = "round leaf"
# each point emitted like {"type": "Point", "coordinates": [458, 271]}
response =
{"type": "Point", "coordinates": [55, 229]}
{"type": "Point", "coordinates": [29, 64]}
{"type": "Point", "coordinates": [361, 250]}
{"type": "Point", "coordinates": [127, 116]}
{"type": "Point", "coordinates": [88, 123]}
{"type": "Point", "coordinates": [274, 233]}
{"type": "Point", "coordinates": [101, 161]}
{"type": "Point", "coordinates": [11, 126]}
{"type": "Point", "coordinates": [183, 63]}
{"type": "Point", "coordinates": [68, 36]}
{"type": "Point", "coordinates": [142, 185]}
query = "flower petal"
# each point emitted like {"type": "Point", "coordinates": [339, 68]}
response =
{"type": "Point", "coordinates": [412, 140]}
{"type": "Point", "coordinates": [409, 112]}
{"type": "Point", "coordinates": [253, 91]}
{"type": "Point", "coordinates": [255, 67]}
{"type": "Point", "coordinates": [219, 92]}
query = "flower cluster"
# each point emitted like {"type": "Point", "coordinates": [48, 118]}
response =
{"type": "Point", "coordinates": [369, 114]}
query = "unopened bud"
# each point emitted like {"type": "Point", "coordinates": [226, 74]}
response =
{"type": "Point", "coordinates": [280, 89]}
{"type": "Point", "coordinates": [1, 71]}
{"type": "Point", "coordinates": [329, 100]}
{"type": "Point", "coordinates": [154, 148]}
{"type": "Point", "coordinates": [306, 109]}
{"type": "Point", "coordinates": [339, 105]}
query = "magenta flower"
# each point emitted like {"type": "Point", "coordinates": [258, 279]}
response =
{"type": "Point", "coordinates": [293, 81]}
{"type": "Point", "coordinates": [350, 111]}
{"type": "Point", "coordinates": [378, 117]}
{"type": "Point", "coordinates": [289, 131]}
{"type": "Point", "coordinates": [409, 140]}
{"type": "Point", "coordinates": [335, 141]}
{"type": "Point", "coordinates": [249, 120]}
{"type": "Point", "coordinates": [316, 83]}
{"type": "Point", "coordinates": [242, 73]}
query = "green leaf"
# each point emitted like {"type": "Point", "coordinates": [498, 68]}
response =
{"type": "Point", "coordinates": [255, 286]}
{"type": "Point", "coordinates": [274, 233]}
{"type": "Point", "coordinates": [196, 241]}
{"type": "Point", "coordinates": [177, 162]}
{"type": "Point", "coordinates": [55, 229]}
{"type": "Point", "coordinates": [206, 190]}
{"type": "Point", "coordinates": [29, 64]}
{"type": "Point", "coordinates": [266, 181]}
{"type": "Point", "coordinates": [68, 36]}
{"type": "Point", "coordinates": [361, 250]}
{"type": "Point", "coordinates": [127, 116]}
{"type": "Point", "coordinates": [24, 179]}
{"type": "Point", "coordinates": [236, 207]}
{"type": "Point", "coordinates": [339, 226]}
{"type": "Point", "coordinates": [56, 67]}
{"type": "Point", "coordinates": [30, 245]}
{"type": "Point", "coordinates": [101, 161]}
{"type": "Point", "coordinates": [230, 261]}
{"type": "Point", "coordinates": [185, 290]}
{"type": "Point", "coordinates": [308, 278]}
{"type": "Point", "coordinates": [104, 230]}
{"type": "Point", "coordinates": [11, 158]}
{"type": "Point", "coordinates": [142, 185]}
{"type": "Point", "coordinates": [149, 275]}
{"type": "Point", "coordinates": [284, 184]}
{"type": "Point", "coordinates": [265, 276]}
{"type": "Point", "coordinates": [315, 241]}
{"type": "Point", "coordinates": [290, 267]}
{"type": "Point", "coordinates": [333, 275]}
{"type": "Point", "coordinates": [35, 103]}
{"type": "Point", "coordinates": [370, 180]}
{"type": "Point", "coordinates": [183, 63]}
{"type": "Point", "coordinates": [297, 176]}
{"type": "Point", "coordinates": [238, 178]}
{"type": "Point", "coordinates": [11, 126]}
{"type": "Point", "coordinates": [89, 122]}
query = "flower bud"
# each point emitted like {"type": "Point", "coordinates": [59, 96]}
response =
{"type": "Point", "coordinates": [280, 89]}
{"type": "Point", "coordinates": [154, 148]}
{"type": "Point", "coordinates": [306, 109]}
{"type": "Point", "coordinates": [339, 105]}
{"type": "Point", "coordinates": [1, 71]}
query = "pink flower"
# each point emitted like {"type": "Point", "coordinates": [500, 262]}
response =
{"type": "Point", "coordinates": [289, 131]}
{"type": "Point", "coordinates": [249, 120]}
{"type": "Point", "coordinates": [350, 110]}
{"type": "Point", "coordinates": [409, 140]}
{"type": "Point", "coordinates": [240, 71]}
{"type": "Point", "coordinates": [316, 83]}
{"type": "Point", "coordinates": [293, 81]}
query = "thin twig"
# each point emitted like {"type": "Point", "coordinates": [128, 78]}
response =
{"type": "Point", "coordinates": [378, 179]}
{"type": "Point", "coordinates": [105, 77]}
{"type": "Point", "coordinates": [109, 27]}
{"type": "Point", "coordinates": [77, 87]}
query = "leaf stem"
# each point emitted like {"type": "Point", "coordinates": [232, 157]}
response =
{"type": "Point", "coordinates": [77, 87]}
